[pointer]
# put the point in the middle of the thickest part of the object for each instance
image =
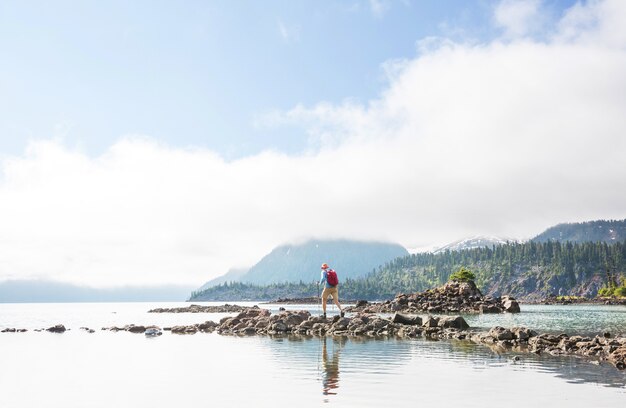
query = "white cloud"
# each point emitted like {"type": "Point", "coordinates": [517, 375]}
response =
{"type": "Point", "coordinates": [289, 34]}
{"type": "Point", "coordinates": [379, 7]}
{"type": "Point", "coordinates": [518, 17]}
{"type": "Point", "coordinates": [496, 138]}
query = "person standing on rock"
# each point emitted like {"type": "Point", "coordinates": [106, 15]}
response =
{"type": "Point", "coordinates": [331, 288]}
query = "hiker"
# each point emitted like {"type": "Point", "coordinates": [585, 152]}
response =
{"type": "Point", "coordinates": [331, 283]}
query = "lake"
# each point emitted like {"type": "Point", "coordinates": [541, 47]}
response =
{"type": "Point", "coordinates": [107, 369]}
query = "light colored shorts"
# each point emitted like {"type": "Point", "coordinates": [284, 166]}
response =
{"type": "Point", "coordinates": [334, 292]}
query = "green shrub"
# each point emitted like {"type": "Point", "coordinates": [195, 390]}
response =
{"type": "Point", "coordinates": [463, 274]}
{"type": "Point", "coordinates": [621, 291]}
{"type": "Point", "coordinates": [605, 292]}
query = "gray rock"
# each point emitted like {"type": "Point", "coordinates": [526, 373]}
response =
{"type": "Point", "coordinates": [510, 305]}
{"type": "Point", "coordinates": [454, 322]}
{"type": "Point", "coordinates": [59, 328]}
{"type": "Point", "coordinates": [488, 308]}
{"type": "Point", "coordinates": [431, 321]}
{"type": "Point", "coordinates": [407, 319]}
{"type": "Point", "coordinates": [136, 329]}
{"type": "Point", "coordinates": [279, 326]}
{"type": "Point", "coordinates": [153, 332]}
{"type": "Point", "coordinates": [500, 333]}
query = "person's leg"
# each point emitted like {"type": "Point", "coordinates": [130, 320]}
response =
{"type": "Point", "coordinates": [325, 294]}
{"type": "Point", "coordinates": [337, 303]}
{"type": "Point", "coordinates": [336, 300]}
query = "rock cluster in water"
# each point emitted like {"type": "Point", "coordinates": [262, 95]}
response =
{"type": "Point", "coordinates": [13, 330]}
{"type": "Point", "coordinates": [262, 322]}
{"type": "Point", "coordinates": [602, 347]}
{"type": "Point", "coordinates": [453, 297]}
{"type": "Point", "coordinates": [568, 300]}
{"type": "Point", "coordinates": [201, 309]}
{"type": "Point", "coordinates": [256, 321]}
{"type": "Point", "coordinates": [312, 300]}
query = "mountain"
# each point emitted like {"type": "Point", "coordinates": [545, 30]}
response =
{"type": "Point", "coordinates": [301, 262]}
{"type": "Point", "coordinates": [294, 263]}
{"type": "Point", "coordinates": [471, 243]}
{"type": "Point", "coordinates": [592, 231]}
{"type": "Point", "coordinates": [33, 291]}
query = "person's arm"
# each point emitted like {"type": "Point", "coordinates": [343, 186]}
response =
{"type": "Point", "coordinates": [323, 277]}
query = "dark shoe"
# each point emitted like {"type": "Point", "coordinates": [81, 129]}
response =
{"type": "Point", "coordinates": [324, 316]}
{"type": "Point", "coordinates": [342, 314]}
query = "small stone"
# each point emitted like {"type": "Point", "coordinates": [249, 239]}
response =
{"type": "Point", "coordinates": [59, 328]}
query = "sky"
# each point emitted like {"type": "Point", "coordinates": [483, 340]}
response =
{"type": "Point", "coordinates": [155, 142]}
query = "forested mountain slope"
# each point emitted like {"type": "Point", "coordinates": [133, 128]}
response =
{"type": "Point", "coordinates": [592, 231]}
{"type": "Point", "coordinates": [530, 270]}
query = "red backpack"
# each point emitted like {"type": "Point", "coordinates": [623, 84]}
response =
{"type": "Point", "coordinates": [331, 277]}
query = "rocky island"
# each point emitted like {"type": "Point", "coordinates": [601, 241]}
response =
{"type": "Point", "coordinates": [200, 309]}
{"type": "Point", "coordinates": [456, 296]}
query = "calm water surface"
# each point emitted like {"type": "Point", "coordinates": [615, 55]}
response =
{"type": "Point", "coordinates": [104, 369]}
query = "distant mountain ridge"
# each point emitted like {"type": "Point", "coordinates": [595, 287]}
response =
{"type": "Point", "coordinates": [36, 291]}
{"type": "Point", "coordinates": [478, 241]}
{"type": "Point", "coordinates": [608, 231]}
{"type": "Point", "coordinates": [301, 262]}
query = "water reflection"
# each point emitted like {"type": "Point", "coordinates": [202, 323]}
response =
{"type": "Point", "coordinates": [366, 359]}
{"type": "Point", "coordinates": [330, 365]}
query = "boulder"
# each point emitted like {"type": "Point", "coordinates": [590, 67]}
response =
{"type": "Point", "coordinates": [488, 308]}
{"type": "Point", "coordinates": [59, 328]}
{"type": "Point", "coordinates": [153, 332]}
{"type": "Point", "coordinates": [207, 326]}
{"type": "Point", "coordinates": [279, 326]}
{"type": "Point", "coordinates": [341, 324]}
{"type": "Point", "coordinates": [453, 322]}
{"type": "Point", "coordinates": [523, 334]}
{"type": "Point", "coordinates": [500, 333]}
{"type": "Point", "coordinates": [510, 305]}
{"type": "Point", "coordinates": [618, 358]}
{"type": "Point", "coordinates": [136, 329]}
{"type": "Point", "coordinates": [431, 322]}
{"type": "Point", "coordinates": [184, 329]}
{"type": "Point", "coordinates": [407, 319]}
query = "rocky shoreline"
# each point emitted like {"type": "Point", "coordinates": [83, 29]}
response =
{"type": "Point", "coordinates": [312, 300]}
{"type": "Point", "coordinates": [453, 297]}
{"type": "Point", "coordinates": [257, 321]}
{"type": "Point", "coordinates": [201, 309]}
{"type": "Point", "coordinates": [577, 300]}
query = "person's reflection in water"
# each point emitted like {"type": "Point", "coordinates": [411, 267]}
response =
{"type": "Point", "coordinates": [330, 375]}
